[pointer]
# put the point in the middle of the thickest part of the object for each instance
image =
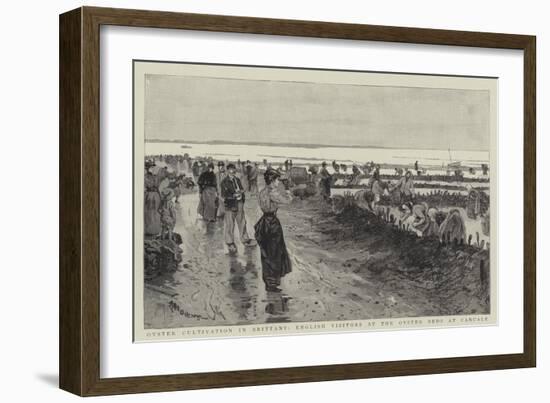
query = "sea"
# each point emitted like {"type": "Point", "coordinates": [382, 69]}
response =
{"type": "Point", "coordinates": [300, 155]}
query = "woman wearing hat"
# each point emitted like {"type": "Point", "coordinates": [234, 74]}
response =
{"type": "Point", "coordinates": [152, 224]}
{"type": "Point", "coordinates": [167, 213]}
{"type": "Point", "coordinates": [269, 233]}
{"type": "Point", "coordinates": [325, 182]}
{"type": "Point", "coordinates": [208, 190]}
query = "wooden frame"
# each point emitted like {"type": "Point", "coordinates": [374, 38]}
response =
{"type": "Point", "coordinates": [79, 346]}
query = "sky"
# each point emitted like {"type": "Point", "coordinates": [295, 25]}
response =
{"type": "Point", "coordinates": [201, 109]}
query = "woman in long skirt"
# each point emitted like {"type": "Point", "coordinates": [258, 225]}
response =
{"type": "Point", "coordinates": [167, 214]}
{"type": "Point", "coordinates": [325, 182]}
{"type": "Point", "coordinates": [208, 190]}
{"type": "Point", "coordinates": [151, 206]}
{"type": "Point", "coordinates": [269, 233]}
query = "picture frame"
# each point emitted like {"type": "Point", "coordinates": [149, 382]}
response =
{"type": "Point", "coordinates": [80, 155]}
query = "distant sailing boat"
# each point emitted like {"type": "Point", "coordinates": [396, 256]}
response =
{"type": "Point", "coordinates": [453, 164]}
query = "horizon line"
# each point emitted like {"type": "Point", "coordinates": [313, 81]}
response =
{"type": "Point", "coordinates": [300, 145]}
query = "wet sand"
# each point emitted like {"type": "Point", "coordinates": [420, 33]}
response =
{"type": "Point", "coordinates": [331, 278]}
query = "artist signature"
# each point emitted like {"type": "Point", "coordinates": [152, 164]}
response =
{"type": "Point", "coordinates": [174, 307]}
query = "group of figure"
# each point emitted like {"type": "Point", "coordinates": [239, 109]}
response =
{"type": "Point", "coordinates": [211, 186]}
{"type": "Point", "coordinates": [222, 194]}
{"type": "Point", "coordinates": [162, 190]}
{"type": "Point", "coordinates": [430, 222]}
{"type": "Point", "coordinates": [402, 191]}
{"type": "Point", "coordinates": [268, 232]}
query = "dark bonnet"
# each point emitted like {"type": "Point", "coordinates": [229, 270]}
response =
{"type": "Point", "coordinates": [270, 175]}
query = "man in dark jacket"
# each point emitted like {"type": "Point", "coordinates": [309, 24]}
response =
{"type": "Point", "coordinates": [233, 195]}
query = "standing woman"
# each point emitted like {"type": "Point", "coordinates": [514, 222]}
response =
{"type": "Point", "coordinates": [325, 182]}
{"type": "Point", "coordinates": [152, 203]}
{"type": "Point", "coordinates": [196, 169]}
{"type": "Point", "coordinates": [269, 233]}
{"type": "Point", "coordinates": [167, 214]}
{"type": "Point", "coordinates": [208, 191]}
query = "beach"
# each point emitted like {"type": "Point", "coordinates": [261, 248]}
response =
{"type": "Point", "coordinates": [344, 267]}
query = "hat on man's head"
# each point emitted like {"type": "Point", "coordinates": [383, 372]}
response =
{"type": "Point", "coordinates": [231, 166]}
{"type": "Point", "coordinates": [221, 163]}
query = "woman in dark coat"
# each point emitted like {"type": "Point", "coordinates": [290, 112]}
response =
{"type": "Point", "coordinates": [325, 182]}
{"type": "Point", "coordinates": [208, 190]}
{"type": "Point", "coordinates": [152, 204]}
{"type": "Point", "coordinates": [269, 233]}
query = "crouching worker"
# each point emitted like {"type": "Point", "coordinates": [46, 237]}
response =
{"type": "Point", "coordinates": [269, 233]}
{"type": "Point", "coordinates": [422, 219]}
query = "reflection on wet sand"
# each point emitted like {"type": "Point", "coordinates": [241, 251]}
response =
{"type": "Point", "coordinates": [276, 306]}
{"type": "Point", "coordinates": [216, 288]}
{"type": "Point", "coordinates": [243, 289]}
{"type": "Point", "coordinates": [331, 278]}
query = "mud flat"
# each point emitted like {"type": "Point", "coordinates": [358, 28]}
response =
{"type": "Point", "coordinates": [428, 277]}
{"type": "Point", "coordinates": [348, 266]}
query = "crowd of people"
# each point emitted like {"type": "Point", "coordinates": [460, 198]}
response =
{"type": "Point", "coordinates": [222, 195]}
{"type": "Point", "coordinates": [401, 192]}
{"type": "Point", "coordinates": [224, 186]}
{"type": "Point", "coordinates": [162, 191]}
{"type": "Point", "coordinates": [415, 215]}
{"type": "Point", "coordinates": [178, 173]}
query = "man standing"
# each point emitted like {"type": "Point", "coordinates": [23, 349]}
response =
{"type": "Point", "coordinates": [252, 172]}
{"type": "Point", "coordinates": [406, 187]}
{"type": "Point", "coordinates": [233, 195]}
{"type": "Point", "coordinates": [220, 176]}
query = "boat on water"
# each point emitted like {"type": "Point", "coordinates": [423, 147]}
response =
{"type": "Point", "coordinates": [453, 164]}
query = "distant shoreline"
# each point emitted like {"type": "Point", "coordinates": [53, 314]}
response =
{"type": "Point", "coordinates": [298, 145]}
